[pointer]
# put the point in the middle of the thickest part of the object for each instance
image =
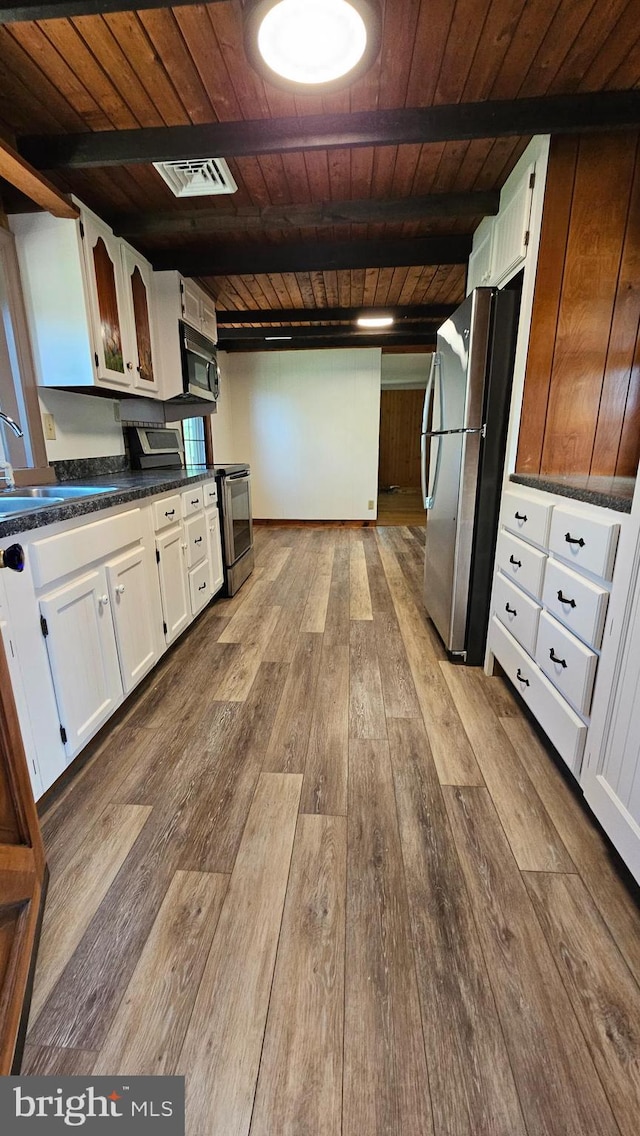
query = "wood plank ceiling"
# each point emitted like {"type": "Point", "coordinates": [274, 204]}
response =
{"type": "Point", "coordinates": [186, 66]}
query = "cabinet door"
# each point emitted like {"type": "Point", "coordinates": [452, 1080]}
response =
{"type": "Point", "coordinates": [132, 615]}
{"type": "Point", "coordinates": [479, 272]}
{"type": "Point", "coordinates": [209, 321]}
{"type": "Point", "coordinates": [191, 304]}
{"type": "Point", "coordinates": [173, 582]}
{"type": "Point", "coordinates": [215, 551]}
{"type": "Point", "coordinates": [139, 298]}
{"type": "Point", "coordinates": [82, 655]}
{"type": "Point", "coordinates": [511, 229]}
{"type": "Point", "coordinates": [108, 310]}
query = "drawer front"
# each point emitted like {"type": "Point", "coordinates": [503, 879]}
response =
{"type": "Point", "coordinates": [199, 586]}
{"type": "Point", "coordinates": [192, 500]}
{"type": "Point", "coordinates": [588, 543]}
{"type": "Point", "coordinates": [519, 613]}
{"type": "Point", "coordinates": [575, 601]}
{"type": "Point", "coordinates": [166, 512]}
{"type": "Point", "coordinates": [521, 562]}
{"type": "Point", "coordinates": [527, 518]}
{"type": "Point", "coordinates": [562, 725]}
{"type": "Point", "coordinates": [567, 662]}
{"type": "Point", "coordinates": [56, 556]}
{"type": "Point", "coordinates": [196, 534]}
{"type": "Point", "coordinates": [210, 494]}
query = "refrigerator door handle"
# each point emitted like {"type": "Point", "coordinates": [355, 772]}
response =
{"type": "Point", "coordinates": [428, 394]}
{"type": "Point", "coordinates": [434, 471]}
{"type": "Point", "coordinates": [462, 430]}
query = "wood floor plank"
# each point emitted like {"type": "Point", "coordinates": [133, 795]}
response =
{"type": "Point", "coordinates": [586, 845]}
{"type": "Point", "coordinates": [336, 627]}
{"type": "Point", "coordinates": [381, 601]}
{"type": "Point", "coordinates": [251, 626]}
{"type": "Point", "coordinates": [287, 748]}
{"type": "Point", "coordinates": [300, 1081]}
{"type": "Point", "coordinates": [221, 1052]}
{"type": "Point", "coordinates": [604, 996]}
{"type": "Point", "coordinates": [367, 717]}
{"type": "Point", "coordinates": [164, 984]}
{"type": "Point", "coordinates": [315, 612]}
{"type": "Point", "coordinates": [386, 1086]}
{"type": "Point", "coordinates": [472, 1087]}
{"type": "Point", "coordinates": [47, 1061]}
{"type": "Point", "coordinates": [398, 689]}
{"type": "Point", "coordinates": [275, 563]}
{"type": "Point", "coordinates": [236, 682]}
{"type": "Point", "coordinates": [282, 644]}
{"type": "Point", "coordinates": [535, 842]}
{"type": "Point", "coordinates": [360, 597]}
{"type": "Point", "coordinates": [324, 789]}
{"type": "Point", "coordinates": [75, 894]}
{"type": "Point", "coordinates": [559, 1089]}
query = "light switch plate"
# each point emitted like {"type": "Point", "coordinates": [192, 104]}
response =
{"type": "Point", "coordinates": [49, 426]}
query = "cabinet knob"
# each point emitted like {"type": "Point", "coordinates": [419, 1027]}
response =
{"type": "Point", "coordinates": [184, 546]}
{"type": "Point", "coordinates": [129, 366]}
{"type": "Point", "coordinates": [12, 557]}
{"type": "Point", "coordinates": [119, 589]}
{"type": "Point", "coordinates": [104, 600]}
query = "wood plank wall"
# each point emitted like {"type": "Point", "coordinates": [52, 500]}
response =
{"type": "Point", "coordinates": [400, 420]}
{"type": "Point", "coordinates": [581, 410]}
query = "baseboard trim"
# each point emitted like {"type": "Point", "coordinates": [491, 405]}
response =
{"type": "Point", "coordinates": [288, 523]}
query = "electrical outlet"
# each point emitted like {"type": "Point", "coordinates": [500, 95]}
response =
{"type": "Point", "coordinates": [49, 424]}
{"type": "Point", "coordinates": [371, 504]}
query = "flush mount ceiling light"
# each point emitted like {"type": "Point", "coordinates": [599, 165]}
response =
{"type": "Point", "coordinates": [374, 321]}
{"type": "Point", "coordinates": [311, 45]}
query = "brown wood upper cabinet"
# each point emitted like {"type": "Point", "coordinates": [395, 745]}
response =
{"type": "Point", "coordinates": [581, 410]}
{"type": "Point", "coordinates": [90, 305]}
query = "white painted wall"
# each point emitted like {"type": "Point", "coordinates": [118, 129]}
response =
{"type": "Point", "coordinates": [405, 371]}
{"type": "Point", "coordinates": [308, 424]}
{"type": "Point", "coordinates": [222, 420]}
{"type": "Point", "coordinates": [86, 426]}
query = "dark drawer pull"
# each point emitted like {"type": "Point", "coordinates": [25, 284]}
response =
{"type": "Point", "coordinates": [170, 513]}
{"type": "Point", "coordinates": [512, 560]}
{"type": "Point", "coordinates": [520, 677]}
{"type": "Point", "coordinates": [196, 502]}
{"type": "Point", "coordinates": [563, 599]}
{"type": "Point", "coordinates": [574, 540]}
{"type": "Point", "coordinates": [511, 610]}
{"type": "Point", "coordinates": [201, 587]}
{"type": "Point", "coordinates": [197, 540]}
{"type": "Point", "coordinates": [520, 516]}
{"type": "Point", "coordinates": [554, 658]}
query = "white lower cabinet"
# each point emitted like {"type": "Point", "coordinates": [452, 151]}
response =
{"type": "Point", "coordinates": [199, 587]}
{"type": "Point", "coordinates": [83, 656]}
{"type": "Point", "coordinates": [170, 552]}
{"type": "Point", "coordinates": [132, 615]}
{"type": "Point", "coordinates": [215, 550]}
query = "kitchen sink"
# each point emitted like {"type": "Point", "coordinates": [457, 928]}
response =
{"type": "Point", "coordinates": [22, 504]}
{"type": "Point", "coordinates": [55, 493]}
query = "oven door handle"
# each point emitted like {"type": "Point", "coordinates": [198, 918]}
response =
{"type": "Point", "coordinates": [238, 477]}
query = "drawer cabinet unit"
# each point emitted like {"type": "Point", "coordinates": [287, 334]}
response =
{"type": "Point", "coordinates": [576, 601]}
{"type": "Point", "coordinates": [199, 586]}
{"type": "Point", "coordinates": [588, 543]}
{"type": "Point", "coordinates": [196, 539]}
{"type": "Point", "coordinates": [521, 562]}
{"type": "Point", "coordinates": [192, 500]}
{"type": "Point", "coordinates": [567, 662]}
{"type": "Point", "coordinates": [517, 611]}
{"type": "Point", "coordinates": [210, 490]}
{"type": "Point", "coordinates": [167, 512]}
{"type": "Point", "coordinates": [550, 601]}
{"type": "Point", "coordinates": [526, 517]}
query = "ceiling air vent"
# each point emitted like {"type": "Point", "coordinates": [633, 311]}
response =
{"type": "Point", "coordinates": [197, 177]}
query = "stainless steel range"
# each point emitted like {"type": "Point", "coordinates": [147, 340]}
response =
{"type": "Point", "coordinates": [234, 499]}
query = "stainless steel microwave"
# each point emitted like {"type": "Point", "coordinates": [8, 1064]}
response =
{"type": "Point", "coordinates": [200, 371]}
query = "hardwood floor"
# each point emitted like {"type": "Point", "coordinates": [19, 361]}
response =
{"type": "Point", "coordinates": [336, 882]}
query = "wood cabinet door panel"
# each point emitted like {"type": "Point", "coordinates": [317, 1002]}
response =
{"type": "Point", "coordinates": [139, 298]}
{"type": "Point", "coordinates": [82, 655]}
{"type": "Point", "coordinates": [108, 311]}
{"type": "Point", "coordinates": [132, 615]}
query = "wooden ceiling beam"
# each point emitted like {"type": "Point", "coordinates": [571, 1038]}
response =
{"type": "Point", "coordinates": [66, 9]}
{"type": "Point", "coordinates": [559, 114]}
{"type": "Point", "coordinates": [348, 339]}
{"type": "Point", "coordinates": [198, 222]}
{"type": "Point", "coordinates": [20, 174]}
{"type": "Point", "coordinates": [306, 256]}
{"type": "Point", "coordinates": [425, 312]}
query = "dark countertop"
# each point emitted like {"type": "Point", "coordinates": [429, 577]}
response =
{"type": "Point", "coordinates": [131, 485]}
{"type": "Point", "coordinates": [607, 492]}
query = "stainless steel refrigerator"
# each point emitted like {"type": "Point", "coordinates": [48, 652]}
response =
{"type": "Point", "coordinates": [464, 427]}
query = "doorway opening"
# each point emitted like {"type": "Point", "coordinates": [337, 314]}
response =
{"type": "Point", "coordinates": [403, 379]}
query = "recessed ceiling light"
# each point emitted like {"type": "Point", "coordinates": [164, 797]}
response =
{"type": "Point", "coordinates": [374, 321]}
{"type": "Point", "coordinates": [271, 337]}
{"type": "Point", "coordinates": [312, 44]}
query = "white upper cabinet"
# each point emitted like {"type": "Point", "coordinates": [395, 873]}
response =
{"type": "Point", "coordinates": [511, 228]}
{"type": "Point", "coordinates": [479, 272]}
{"type": "Point", "coordinates": [198, 309]}
{"type": "Point", "coordinates": [90, 305]}
{"type": "Point", "coordinates": [176, 298]}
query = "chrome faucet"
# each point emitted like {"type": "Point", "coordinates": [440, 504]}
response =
{"type": "Point", "coordinates": [4, 464]}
